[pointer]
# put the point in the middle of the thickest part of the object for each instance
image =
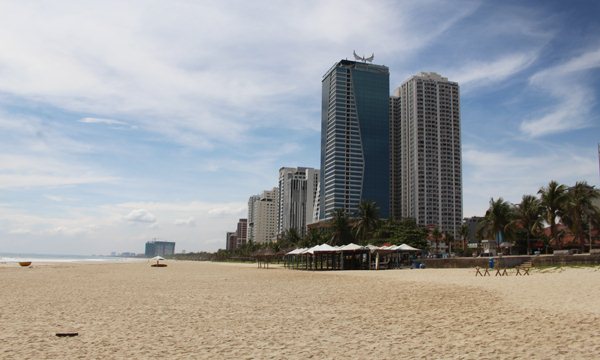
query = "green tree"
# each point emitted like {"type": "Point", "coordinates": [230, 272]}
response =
{"type": "Point", "coordinates": [553, 199]}
{"type": "Point", "coordinates": [496, 219]}
{"type": "Point", "coordinates": [340, 227]}
{"type": "Point", "coordinates": [289, 238]}
{"type": "Point", "coordinates": [579, 210]}
{"type": "Point", "coordinates": [528, 216]}
{"type": "Point", "coordinates": [449, 239]}
{"type": "Point", "coordinates": [314, 237]}
{"type": "Point", "coordinates": [436, 234]}
{"type": "Point", "coordinates": [464, 234]}
{"type": "Point", "coordinates": [367, 220]}
{"type": "Point", "coordinates": [408, 232]}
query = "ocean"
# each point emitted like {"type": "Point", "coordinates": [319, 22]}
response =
{"type": "Point", "coordinates": [13, 258]}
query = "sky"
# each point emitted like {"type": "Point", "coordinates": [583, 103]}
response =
{"type": "Point", "coordinates": [122, 122]}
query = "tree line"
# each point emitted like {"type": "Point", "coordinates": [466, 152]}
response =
{"type": "Point", "coordinates": [556, 204]}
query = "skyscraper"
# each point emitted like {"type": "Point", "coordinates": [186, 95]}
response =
{"type": "Point", "coordinates": [253, 199]}
{"type": "Point", "coordinates": [297, 195]}
{"type": "Point", "coordinates": [354, 138]}
{"type": "Point", "coordinates": [242, 232]}
{"type": "Point", "coordinates": [429, 151]}
{"type": "Point", "coordinates": [265, 216]}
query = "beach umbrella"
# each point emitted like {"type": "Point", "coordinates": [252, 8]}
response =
{"type": "Point", "coordinates": [157, 258]}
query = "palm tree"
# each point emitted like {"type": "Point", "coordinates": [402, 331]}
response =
{"type": "Point", "coordinates": [340, 225]}
{"type": "Point", "coordinates": [289, 238]}
{"type": "Point", "coordinates": [579, 209]}
{"type": "Point", "coordinates": [464, 234]}
{"type": "Point", "coordinates": [449, 239]}
{"type": "Point", "coordinates": [496, 219]}
{"type": "Point", "coordinates": [553, 198]}
{"type": "Point", "coordinates": [367, 220]}
{"type": "Point", "coordinates": [437, 236]}
{"type": "Point", "coordinates": [528, 215]}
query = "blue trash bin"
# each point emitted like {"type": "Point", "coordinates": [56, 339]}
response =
{"type": "Point", "coordinates": [491, 263]}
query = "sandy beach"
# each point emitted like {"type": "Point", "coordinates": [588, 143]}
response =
{"type": "Point", "coordinates": [236, 311]}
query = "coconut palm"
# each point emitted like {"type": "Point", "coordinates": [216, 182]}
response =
{"type": "Point", "coordinates": [528, 216]}
{"type": "Point", "coordinates": [464, 234]}
{"type": "Point", "coordinates": [367, 220]}
{"type": "Point", "coordinates": [436, 234]}
{"type": "Point", "coordinates": [553, 199]}
{"type": "Point", "coordinates": [497, 217]}
{"type": "Point", "coordinates": [449, 239]}
{"type": "Point", "coordinates": [340, 225]}
{"type": "Point", "coordinates": [579, 210]}
{"type": "Point", "coordinates": [290, 237]}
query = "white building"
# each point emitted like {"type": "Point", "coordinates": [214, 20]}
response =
{"type": "Point", "coordinates": [264, 213]}
{"type": "Point", "coordinates": [251, 201]}
{"type": "Point", "coordinates": [428, 181]}
{"type": "Point", "coordinates": [297, 195]}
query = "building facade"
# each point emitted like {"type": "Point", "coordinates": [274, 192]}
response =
{"type": "Point", "coordinates": [241, 232]}
{"type": "Point", "coordinates": [265, 211]}
{"type": "Point", "coordinates": [395, 159]}
{"type": "Point", "coordinates": [250, 224]}
{"type": "Point", "coordinates": [354, 138]}
{"type": "Point", "coordinates": [297, 196]}
{"type": "Point", "coordinates": [428, 152]}
{"type": "Point", "coordinates": [159, 248]}
{"type": "Point", "coordinates": [230, 240]}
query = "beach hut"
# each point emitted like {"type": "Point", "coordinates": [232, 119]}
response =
{"type": "Point", "coordinates": [321, 257]}
{"type": "Point", "coordinates": [263, 257]}
{"type": "Point", "coordinates": [292, 258]}
{"type": "Point", "coordinates": [353, 257]}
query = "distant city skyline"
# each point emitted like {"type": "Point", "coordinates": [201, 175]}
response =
{"type": "Point", "coordinates": [124, 122]}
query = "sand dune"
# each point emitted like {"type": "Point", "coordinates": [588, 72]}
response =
{"type": "Point", "coordinates": [207, 310]}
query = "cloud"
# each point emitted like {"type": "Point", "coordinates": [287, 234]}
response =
{"type": "Point", "coordinates": [28, 171]}
{"type": "Point", "coordinates": [575, 97]}
{"type": "Point", "coordinates": [228, 210]}
{"type": "Point", "coordinates": [190, 221]}
{"type": "Point", "coordinates": [140, 216]}
{"type": "Point", "coordinates": [485, 73]}
{"type": "Point", "coordinates": [184, 80]}
{"type": "Point", "coordinates": [91, 120]}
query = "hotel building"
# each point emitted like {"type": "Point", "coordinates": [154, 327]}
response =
{"type": "Point", "coordinates": [264, 212]}
{"type": "Point", "coordinates": [297, 195]}
{"type": "Point", "coordinates": [354, 138]}
{"type": "Point", "coordinates": [426, 159]}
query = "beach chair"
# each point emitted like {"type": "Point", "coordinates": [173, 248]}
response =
{"type": "Point", "coordinates": [486, 271]}
{"type": "Point", "coordinates": [524, 268]}
{"type": "Point", "coordinates": [501, 272]}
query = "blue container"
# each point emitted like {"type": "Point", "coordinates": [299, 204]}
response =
{"type": "Point", "coordinates": [491, 263]}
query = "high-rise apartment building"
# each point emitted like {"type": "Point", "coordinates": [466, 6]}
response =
{"type": "Point", "coordinates": [297, 195]}
{"type": "Point", "coordinates": [242, 232]}
{"type": "Point", "coordinates": [395, 160]}
{"type": "Point", "coordinates": [251, 201]}
{"type": "Point", "coordinates": [428, 152]}
{"type": "Point", "coordinates": [265, 212]}
{"type": "Point", "coordinates": [230, 240]}
{"type": "Point", "coordinates": [355, 138]}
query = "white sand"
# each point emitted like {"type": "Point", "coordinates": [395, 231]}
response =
{"type": "Point", "coordinates": [207, 310]}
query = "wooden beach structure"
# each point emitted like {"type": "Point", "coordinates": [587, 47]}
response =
{"type": "Point", "coordinates": [349, 257]}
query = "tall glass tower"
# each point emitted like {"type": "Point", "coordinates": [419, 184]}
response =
{"type": "Point", "coordinates": [355, 138]}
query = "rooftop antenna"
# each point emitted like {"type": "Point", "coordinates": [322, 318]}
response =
{"type": "Point", "coordinates": [363, 58]}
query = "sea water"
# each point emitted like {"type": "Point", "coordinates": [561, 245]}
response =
{"type": "Point", "coordinates": [14, 258]}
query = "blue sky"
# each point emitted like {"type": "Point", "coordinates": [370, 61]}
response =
{"type": "Point", "coordinates": [122, 122]}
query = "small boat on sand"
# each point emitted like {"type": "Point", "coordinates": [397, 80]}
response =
{"type": "Point", "coordinates": [24, 263]}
